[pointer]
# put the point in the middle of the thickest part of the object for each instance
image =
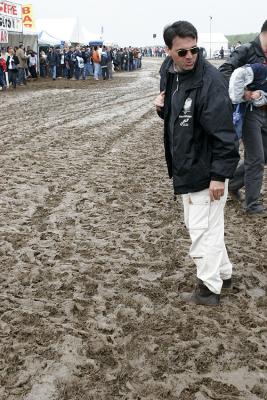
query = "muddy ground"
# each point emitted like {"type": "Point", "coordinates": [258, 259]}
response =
{"type": "Point", "coordinates": [94, 254]}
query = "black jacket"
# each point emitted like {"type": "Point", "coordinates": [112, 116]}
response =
{"type": "Point", "coordinates": [15, 63]}
{"type": "Point", "coordinates": [249, 53]}
{"type": "Point", "coordinates": [204, 146]}
{"type": "Point", "coordinates": [53, 58]}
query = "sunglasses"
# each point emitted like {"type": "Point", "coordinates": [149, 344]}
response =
{"type": "Point", "coordinates": [183, 52]}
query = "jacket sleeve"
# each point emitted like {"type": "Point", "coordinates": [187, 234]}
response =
{"type": "Point", "coordinates": [262, 101]}
{"type": "Point", "coordinates": [216, 119]}
{"type": "Point", "coordinates": [163, 79]}
{"type": "Point", "coordinates": [237, 59]}
{"type": "Point", "coordinates": [161, 113]}
{"type": "Point", "coordinates": [240, 78]}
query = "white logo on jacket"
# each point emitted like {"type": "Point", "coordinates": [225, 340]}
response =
{"type": "Point", "coordinates": [187, 105]}
{"type": "Point", "coordinates": [186, 116]}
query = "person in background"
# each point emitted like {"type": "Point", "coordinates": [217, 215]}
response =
{"type": "Point", "coordinates": [104, 64]}
{"type": "Point", "coordinates": [140, 59]}
{"type": "Point", "coordinates": [96, 60]}
{"type": "Point", "coordinates": [135, 58]}
{"type": "Point", "coordinates": [86, 55]}
{"type": "Point", "coordinates": [20, 53]}
{"type": "Point", "coordinates": [53, 60]}
{"type": "Point", "coordinates": [126, 59]}
{"type": "Point", "coordinates": [3, 69]}
{"type": "Point", "coordinates": [12, 67]}
{"type": "Point", "coordinates": [62, 65]}
{"type": "Point", "coordinates": [110, 62]}
{"type": "Point", "coordinates": [130, 59]}
{"type": "Point", "coordinates": [32, 62]}
{"type": "Point", "coordinates": [79, 63]}
{"type": "Point", "coordinates": [70, 62]}
{"type": "Point", "coordinates": [43, 64]}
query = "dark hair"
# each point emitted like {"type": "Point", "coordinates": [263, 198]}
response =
{"type": "Point", "coordinates": [264, 27]}
{"type": "Point", "coordinates": [182, 29]}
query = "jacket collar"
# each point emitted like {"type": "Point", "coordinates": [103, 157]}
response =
{"type": "Point", "coordinates": [192, 79]}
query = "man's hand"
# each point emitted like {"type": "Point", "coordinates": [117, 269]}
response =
{"type": "Point", "coordinates": [256, 95]}
{"type": "Point", "coordinates": [247, 95]}
{"type": "Point", "coordinates": [159, 102]}
{"type": "Point", "coordinates": [216, 190]}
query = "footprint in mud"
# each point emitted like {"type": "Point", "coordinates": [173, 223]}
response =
{"type": "Point", "coordinates": [208, 388]}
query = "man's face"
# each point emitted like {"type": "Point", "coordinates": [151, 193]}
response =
{"type": "Point", "coordinates": [187, 62]}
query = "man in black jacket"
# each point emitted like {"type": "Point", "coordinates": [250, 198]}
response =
{"type": "Point", "coordinates": [201, 153]}
{"type": "Point", "coordinates": [251, 172]}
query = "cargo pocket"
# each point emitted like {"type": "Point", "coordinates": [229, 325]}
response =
{"type": "Point", "coordinates": [199, 210]}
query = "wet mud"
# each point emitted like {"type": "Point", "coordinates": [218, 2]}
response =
{"type": "Point", "coordinates": [94, 254]}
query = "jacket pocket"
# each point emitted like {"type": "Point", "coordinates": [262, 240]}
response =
{"type": "Point", "coordinates": [199, 210]}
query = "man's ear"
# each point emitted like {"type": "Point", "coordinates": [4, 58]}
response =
{"type": "Point", "coordinates": [168, 51]}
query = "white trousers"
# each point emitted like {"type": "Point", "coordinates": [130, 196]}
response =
{"type": "Point", "coordinates": [204, 220]}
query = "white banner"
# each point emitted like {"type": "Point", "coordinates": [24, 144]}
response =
{"type": "Point", "coordinates": [10, 16]}
{"type": "Point", "coordinates": [10, 9]}
{"type": "Point", "coordinates": [3, 36]}
{"type": "Point", "coordinates": [10, 24]}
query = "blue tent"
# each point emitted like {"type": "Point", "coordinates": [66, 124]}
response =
{"type": "Point", "coordinates": [96, 43]}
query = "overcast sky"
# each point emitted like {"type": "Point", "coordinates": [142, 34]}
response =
{"type": "Point", "coordinates": [133, 22]}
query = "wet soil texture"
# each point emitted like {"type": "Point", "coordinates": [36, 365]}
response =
{"type": "Point", "coordinates": [94, 255]}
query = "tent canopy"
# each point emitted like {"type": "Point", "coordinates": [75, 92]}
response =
{"type": "Point", "coordinates": [45, 39]}
{"type": "Point", "coordinates": [214, 41]}
{"type": "Point", "coordinates": [96, 43]}
{"type": "Point", "coordinates": [60, 30]}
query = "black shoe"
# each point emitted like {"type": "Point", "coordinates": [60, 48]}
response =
{"type": "Point", "coordinates": [201, 296]}
{"type": "Point", "coordinates": [227, 284]}
{"type": "Point", "coordinates": [259, 211]}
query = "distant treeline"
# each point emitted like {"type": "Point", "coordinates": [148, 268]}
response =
{"type": "Point", "coordinates": [243, 38]}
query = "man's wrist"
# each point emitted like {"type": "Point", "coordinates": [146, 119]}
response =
{"type": "Point", "coordinates": [218, 178]}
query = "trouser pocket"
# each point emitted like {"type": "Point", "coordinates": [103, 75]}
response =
{"type": "Point", "coordinates": [199, 210]}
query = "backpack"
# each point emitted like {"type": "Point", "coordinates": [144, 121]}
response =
{"type": "Point", "coordinates": [96, 56]}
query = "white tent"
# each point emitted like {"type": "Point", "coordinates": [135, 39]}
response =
{"type": "Point", "coordinates": [212, 42]}
{"type": "Point", "coordinates": [44, 38]}
{"type": "Point", "coordinates": [63, 30]}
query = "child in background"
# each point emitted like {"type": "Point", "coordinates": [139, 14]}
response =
{"type": "Point", "coordinates": [251, 81]}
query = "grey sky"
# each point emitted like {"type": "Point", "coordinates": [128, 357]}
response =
{"type": "Point", "coordinates": [133, 22]}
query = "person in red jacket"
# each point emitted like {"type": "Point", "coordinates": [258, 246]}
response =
{"type": "Point", "coordinates": [3, 70]}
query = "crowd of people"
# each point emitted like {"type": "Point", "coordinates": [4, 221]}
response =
{"type": "Point", "coordinates": [156, 51]}
{"type": "Point", "coordinates": [15, 65]}
{"type": "Point", "coordinates": [79, 62]}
